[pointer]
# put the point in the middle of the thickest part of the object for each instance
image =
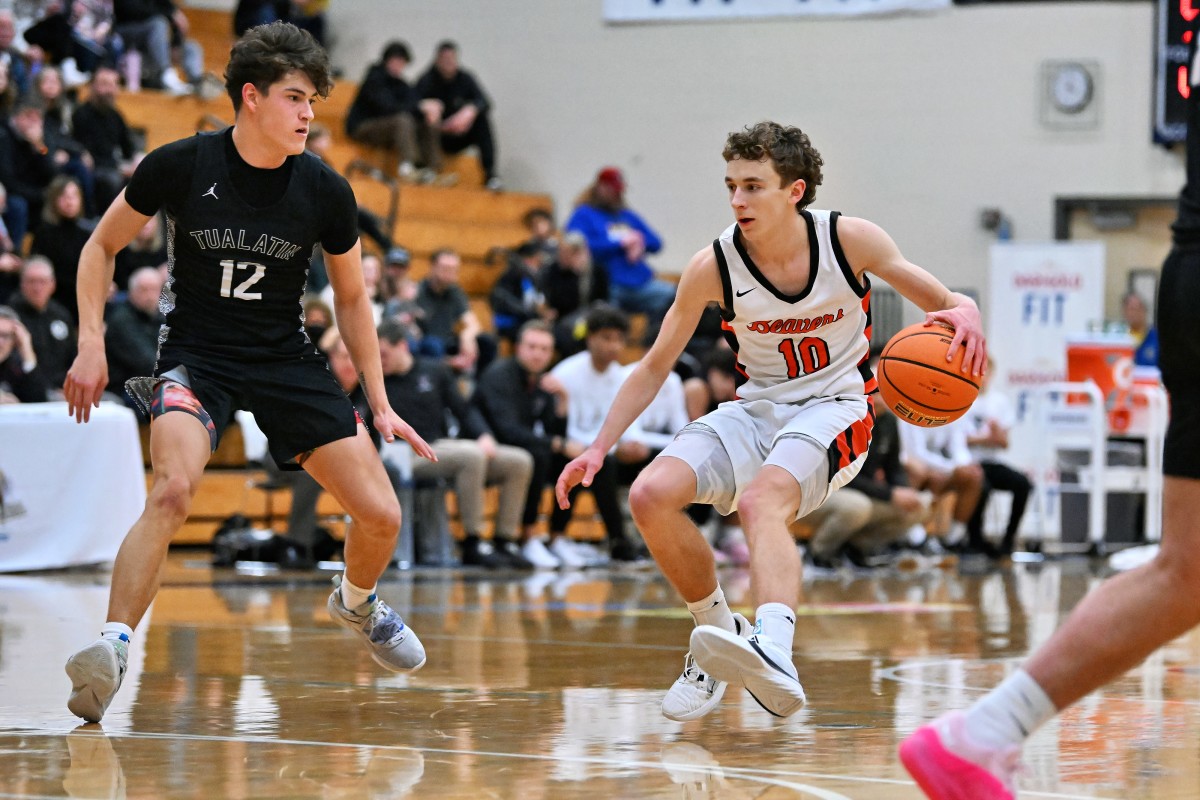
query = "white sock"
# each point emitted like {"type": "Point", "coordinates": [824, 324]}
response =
{"type": "Point", "coordinates": [1010, 713]}
{"type": "Point", "coordinates": [777, 622]}
{"type": "Point", "coordinates": [957, 532]}
{"type": "Point", "coordinates": [116, 630]}
{"type": "Point", "coordinates": [713, 610]}
{"type": "Point", "coordinates": [353, 597]}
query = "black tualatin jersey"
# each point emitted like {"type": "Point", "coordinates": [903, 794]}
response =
{"type": "Point", "coordinates": [239, 241]}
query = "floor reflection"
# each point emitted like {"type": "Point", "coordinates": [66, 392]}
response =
{"type": "Point", "coordinates": [549, 685]}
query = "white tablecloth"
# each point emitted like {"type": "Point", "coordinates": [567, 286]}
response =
{"type": "Point", "coordinates": [68, 492]}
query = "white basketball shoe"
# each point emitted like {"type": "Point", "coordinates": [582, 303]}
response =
{"type": "Point", "coordinates": [756, 662]}
{"type": "Point", "coordinates": [696, 692]}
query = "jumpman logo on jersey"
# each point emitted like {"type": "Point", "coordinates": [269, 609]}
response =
{"type": "Point", "coordinates": [212, 191]}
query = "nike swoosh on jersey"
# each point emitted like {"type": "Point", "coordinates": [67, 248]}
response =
{"type": "Point", "coordinates": [746, 291]}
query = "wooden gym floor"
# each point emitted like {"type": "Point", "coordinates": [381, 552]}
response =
{"type": "Point", "coordinates": [547, 686]}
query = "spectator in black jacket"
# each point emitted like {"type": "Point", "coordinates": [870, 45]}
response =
{"type": "Point", "coordinates": [27, 165]}
{"type": "Point", "coordinates": [20, 379]}
{"type": "Point", "coordinates": [51, 327]}
{"type": "Point", "coordinates": [386, 113]}
{"type": "Point", "coordinates": [426, 393]}
{"type": "Point", "coordinates": [131, 331]}
{"type": "Point", "coordinates": [460, 112]}
{"type": "Point", "coordinates": [97, 124]}
{"type": "Point", "coordinates": [572, 285]}
{"type": "Point", "coordinates": [516, 297]}
{"type": "Point", "coordinates": [876, 508]}
{"type": "Point", "coordinates": [61, 236]}
{"type": "Point", "coordinates": [526, 408]}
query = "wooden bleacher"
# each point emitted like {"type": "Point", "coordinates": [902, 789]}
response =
{"type": "Point", "coordinates": [465, 216]}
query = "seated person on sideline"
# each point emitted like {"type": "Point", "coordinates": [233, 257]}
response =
{"type": "Point", "coordinates": [572, 286]}
{"type": "Point", "coordinates": [939, 460]}
{"type": "Point", "coordinates": [51, 327]}
{"type": "Point", "coordinates": [516, 297]}
{"type": "Point", "coordinates": [591, 380]}
{"type": "Point", "coordinates": [989, 421]}
{"type": "Point", "coordinates": [448, 323]}
{"type": "Point", "coordinates": [131, 333]}
{"type": "Point", "coordinates": [1145, 335]}
{"type": "Point", "coordinates": [526, 408]}
{"type": "Point", "coordinates": [20, 379]}
{"type": "Point", "coordinates": [425, 393]}
{"type": "Point", "coordinates": [877, 507]}
{"type": "Point", "coordinates": [619, 240]}
{"type": "Point", "coordinates": [386, 113]}
{"type": "Point", "coordinates": [454, 104]}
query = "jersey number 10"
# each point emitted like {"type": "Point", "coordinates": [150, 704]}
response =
{"type": "Point", "coordinates": [805, 357]}
{"type": "Point", "coordinates": [227, 288]}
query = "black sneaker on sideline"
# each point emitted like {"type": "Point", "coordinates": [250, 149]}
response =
{"type": "Point", "coordinates": [510, 552]}
{"type": "Point", "coordinates": [479, 553]}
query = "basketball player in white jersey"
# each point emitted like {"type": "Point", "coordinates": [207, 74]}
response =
{"type": "Point", "coordinates": [793, 289]}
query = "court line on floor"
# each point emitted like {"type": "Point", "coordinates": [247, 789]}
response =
{"type": "Point", "coordinates": [892, 674]}
{"type": "Point", "coordinates": [748, 773]}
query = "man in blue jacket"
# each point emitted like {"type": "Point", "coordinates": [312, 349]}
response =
{"type": "Point", "coordinates": [619, 240]}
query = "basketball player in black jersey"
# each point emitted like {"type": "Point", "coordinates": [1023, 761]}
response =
{"type": "Point", "coordinates": [245, 207]}
{"type": "Point", "coordinates": [976, 754]}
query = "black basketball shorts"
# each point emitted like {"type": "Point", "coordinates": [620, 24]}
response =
{"type": "Point", "coordinates": [1179, 359]}
{"type": "Point", "coordinates": [296, 402]}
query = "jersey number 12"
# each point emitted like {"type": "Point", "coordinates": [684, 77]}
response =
{"type": "Point", "coordinates": [805, 357]}
{"type": "Point", "coordinates": [227, 287]}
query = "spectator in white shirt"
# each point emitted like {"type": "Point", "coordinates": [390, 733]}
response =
{"type": "Point", "coordinates": [591, 380]}
{"type": "Point", "coordinates": [939, 460]}
{"type": "Point", "coordinates": [988, 422]}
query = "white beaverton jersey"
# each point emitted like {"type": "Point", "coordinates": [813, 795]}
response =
{"type": "Point", "coordinates": [791, 348]}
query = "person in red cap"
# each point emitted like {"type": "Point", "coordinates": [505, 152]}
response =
{"type": "Point", "coordinates": [619, 240]}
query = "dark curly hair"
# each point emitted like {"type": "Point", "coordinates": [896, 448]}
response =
{"type": "Point", "coordinates": [787, 147]}
{"type": "Point", "coordinates": [266, 53]}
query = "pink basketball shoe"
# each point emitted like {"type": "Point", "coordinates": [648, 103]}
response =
{"type": "Point", "coordinates": [949, 767]}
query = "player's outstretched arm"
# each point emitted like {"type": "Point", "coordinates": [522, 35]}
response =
{"type": "Point", "coordinates": [699, 285]}
{"type": "Point", "coordinates": [356, 324]}
{"type": "Point", "coordinates": [88, 375]}
{"type": "Point", "coordinates": [869, 249]}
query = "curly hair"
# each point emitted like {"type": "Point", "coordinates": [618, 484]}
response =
{"type": "Point", "coordinates": [788, 147]}
{"type": "Point", "coordinates": [266, 53]}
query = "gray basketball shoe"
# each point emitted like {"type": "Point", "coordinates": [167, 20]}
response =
{"type": "Point", "coordinates": [393, 644]}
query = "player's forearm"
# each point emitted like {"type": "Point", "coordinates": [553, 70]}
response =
{"type": "Point", "coordinates": [357, 327]}
{"type": "Point", "coordinates": [96, 269]}
{"type": "Point", "coordinates": [636, 393]}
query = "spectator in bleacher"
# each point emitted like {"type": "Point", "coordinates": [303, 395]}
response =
{"type": "Point", "coordinates": [307, 15]}
{"type": "Point", "coordinates": [543, 232]}
{"type": "Point", "coordinates": [426, 394]}
{"type": "Point", "coordinates": [619, 240]}
{"type": "Point", "coordinates": [27, 165]}
{"type": "Point", "coordinates": [131, 331]}
{"type": "Point", "coordinates": [448, 323]}
{"type": "Point", "coordinates": [318, 318]}
{"type": "Point", "coordinates": [72, 37]}
{"type": "Point", "coordinates": [98, 125]}
{"type": "Point", "coordinates": [460, 113]}
{"type": "Point", "coordinates": [20, 379]}
{"type": "Point", "coordinates": [372, 271]}
{"type": "Point", "coordinates": [58, 106]}
{"type": "Point", "coordinates": [876, 508]}
{"type": "Point", "coordinates": [572, 286]}
{"type": "Point", "coordinates": [62, 234]}
{"type": "Point", "coordinates": [386, 113]}
{"type": "Point", "coordinates": [400, 293]}
{"type": "Point", "coordinates": [10, 56]}
{"type": "Point", "coordinates": [938, 459]}
{"type": "Point", "coordinates": [154, 28]}
{"type": "Point", "coordinates": [526, 408]}
{"type": "Point", "coordinates": [51, 327]}
{"type": "Point", "coordinates": [989, 421]}
{"type": "Point", "coordinates": [516, 296]}
{"type": "Point", "coordinates": [148, 249]}
{"type": "Point", "coordinates": [591, 380]}
{"type": "Point", "coordinates": [717, 384]}
{"type": "Point", "coordinates": [10, 258]}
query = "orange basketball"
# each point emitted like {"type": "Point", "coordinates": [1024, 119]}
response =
{"type": "Point", "coordinates": [918, 383]}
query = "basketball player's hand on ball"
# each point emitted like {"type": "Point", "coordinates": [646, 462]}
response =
{"type": "Point", "coordinates": [968, 333]}
{"type": "Point", "coordinates": [85, 383]}
{"type": "Point", "coordinates": [390, 426]}
{"type": "Point", "coordinates": [580, 470]}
